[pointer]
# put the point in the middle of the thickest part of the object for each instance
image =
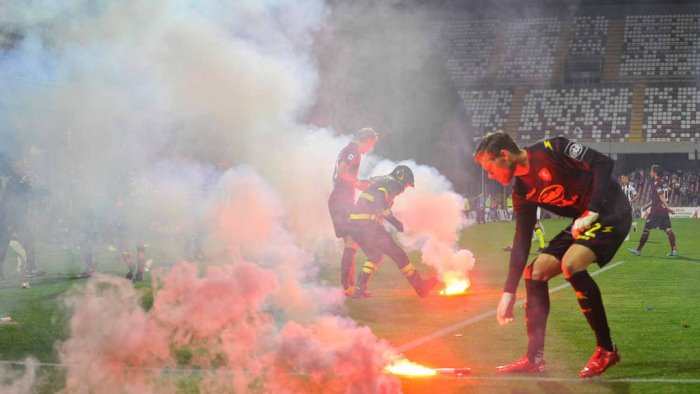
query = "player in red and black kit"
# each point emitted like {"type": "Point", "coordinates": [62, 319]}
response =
{"type": "Point", "coordinates": [367, 228]}
{"type": "Point", "coordinates": [570, 180]}
{"type": "Point", "coordinates": [342, 199]}
{"type": "Point", "coordinates": [658, 215]}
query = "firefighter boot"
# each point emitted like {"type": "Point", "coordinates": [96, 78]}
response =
{"type": "Point", "coordinates": [363, 280]}
{"type": "Point", "coordinates": [422, 286]}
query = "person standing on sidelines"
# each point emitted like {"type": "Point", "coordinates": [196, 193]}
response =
{"type": "Point", "coordinates": [658, 213]}
{"type": "Point", "coordinates": [342, 199]}
{"type": "Point", "coordinates": [570, 180]}
{"type": "Point", "coordinates": [632, 196]}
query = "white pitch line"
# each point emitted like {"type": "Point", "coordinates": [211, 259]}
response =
{"type": "Point", "coordinates": [469, 377]}
{"type": "Point", "coordinates": [579, 380]}
{"type": "Point", "coordinates": [478, 318]}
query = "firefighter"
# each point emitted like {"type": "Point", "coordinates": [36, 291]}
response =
{"type": "Point", "coordinates": [367, 229]}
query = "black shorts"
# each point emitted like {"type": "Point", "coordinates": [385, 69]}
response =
{"type": "Point", "coordinates": [340, 209]}
{"type": "Point", "coordinates": [661, 221]}
{"type": "Point", "coordinates": [604, 237]}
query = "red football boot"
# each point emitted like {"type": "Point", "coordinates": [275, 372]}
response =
{"type": "Point", "coordinates": [523, 365]}
{"type": "Point", "coordinates": [600, 361]}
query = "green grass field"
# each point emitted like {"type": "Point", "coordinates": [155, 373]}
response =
{"type": "Point", "coordinates": [651, 302]}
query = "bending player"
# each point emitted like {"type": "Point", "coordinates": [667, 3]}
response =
{"type": "Point", "coordinates": [573, 181]}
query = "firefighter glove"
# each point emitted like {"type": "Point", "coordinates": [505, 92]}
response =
{"type": "Point", "coordinates": [395, 222]}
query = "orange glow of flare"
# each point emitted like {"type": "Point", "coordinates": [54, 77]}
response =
{"type": "Point", "coordinates": [455, 288]}
{"type": "Point", "coordinates": [403, 367]}
{"type": "Point", "coordinates": [456, 283]}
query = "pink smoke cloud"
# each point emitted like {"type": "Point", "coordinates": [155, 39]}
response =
{"type": "Point", "coordinates": [258, 319]}
{"type": "Point", "coordinates": [223, 320]}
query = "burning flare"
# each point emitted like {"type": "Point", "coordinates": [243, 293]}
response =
{"type": "Point", "coordinates": [456, 283]}
{"type": "Point", "coordinates": [404, 367]}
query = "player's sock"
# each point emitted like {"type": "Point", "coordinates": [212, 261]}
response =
{"type": "Point", "coordinates": [540, 237]}
{"type": "Point", "coordinates": [591, 302]}
{"type": "Point", "coordinates": [347, 268]}
{"type": "Point", "coordinates": [536, 313]}
{"type": "Point", "coordinates": [672, 239]}
{"type": "Point", "coordinates": [643, 239]}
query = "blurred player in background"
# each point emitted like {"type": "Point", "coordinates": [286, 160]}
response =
{"type": "Point", "coordinates": [659, 212]}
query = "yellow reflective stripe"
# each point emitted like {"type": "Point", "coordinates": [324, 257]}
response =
{"type": "Point", "coordinates": [367, 270]}
{"type": "Point", "coordinates": [386, 193]}
{"type": "Point", "coordinates": [548, 144]}
{"type": "Point", "coordinates": [386, 212]}
{"type": "Point", "coordinates": [362, 216]}
{"type": "Point", "coordinates": [367, 196]}
{"type": "Point", "coordinates": [369, 264]}
{"type": "Point", "coordinates": [408, 269]}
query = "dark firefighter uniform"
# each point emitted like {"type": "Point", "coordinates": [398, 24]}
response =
{"type": "Point", "coordinates": [367, 229]}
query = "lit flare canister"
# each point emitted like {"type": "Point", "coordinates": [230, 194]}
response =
{"type": "Point", "coordinates": [453, 371]}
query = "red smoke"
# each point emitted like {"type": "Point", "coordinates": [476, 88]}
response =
{"type": "Point", "coordinates": [239, 326]}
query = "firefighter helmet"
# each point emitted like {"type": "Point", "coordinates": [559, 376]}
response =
{"type": "Point", "coordinates": [403, 174]}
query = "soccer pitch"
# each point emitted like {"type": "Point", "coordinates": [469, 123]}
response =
{"type": "Point", "coordinates": [651, 302]}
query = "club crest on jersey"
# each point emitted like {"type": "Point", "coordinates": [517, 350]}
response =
{"type": "Point", "coordinates": [575, 150]}
{"type": "Point", "coordinates": [554, 195]}
{"type": "Point", "coordinates": [545, 175]}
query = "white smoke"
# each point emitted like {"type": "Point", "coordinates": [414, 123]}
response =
{"type": "Point", "coordinates": [143, 101]}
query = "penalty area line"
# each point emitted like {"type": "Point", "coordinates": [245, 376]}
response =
{"type": "Point", "coordinates": [480, 317]}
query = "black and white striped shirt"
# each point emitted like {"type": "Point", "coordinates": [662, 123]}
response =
{"type": "Point", "coordinates": [629, 191]}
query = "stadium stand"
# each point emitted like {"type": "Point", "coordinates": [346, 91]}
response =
{"type": "Point", "coordinates": [588, 114]}
{"type": "Point", "coordinates": [529, 49]}
{"type": "Point", "coordinates": [487, 110]}
{"type": "Point", "coordinates": [672, 113]}
{"type": "Point", "coordinates": [468, 47]}
{"type": "Point", "coordinates": [588, 35]}
{"type": "Point", "coordinates": [661, 45]}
